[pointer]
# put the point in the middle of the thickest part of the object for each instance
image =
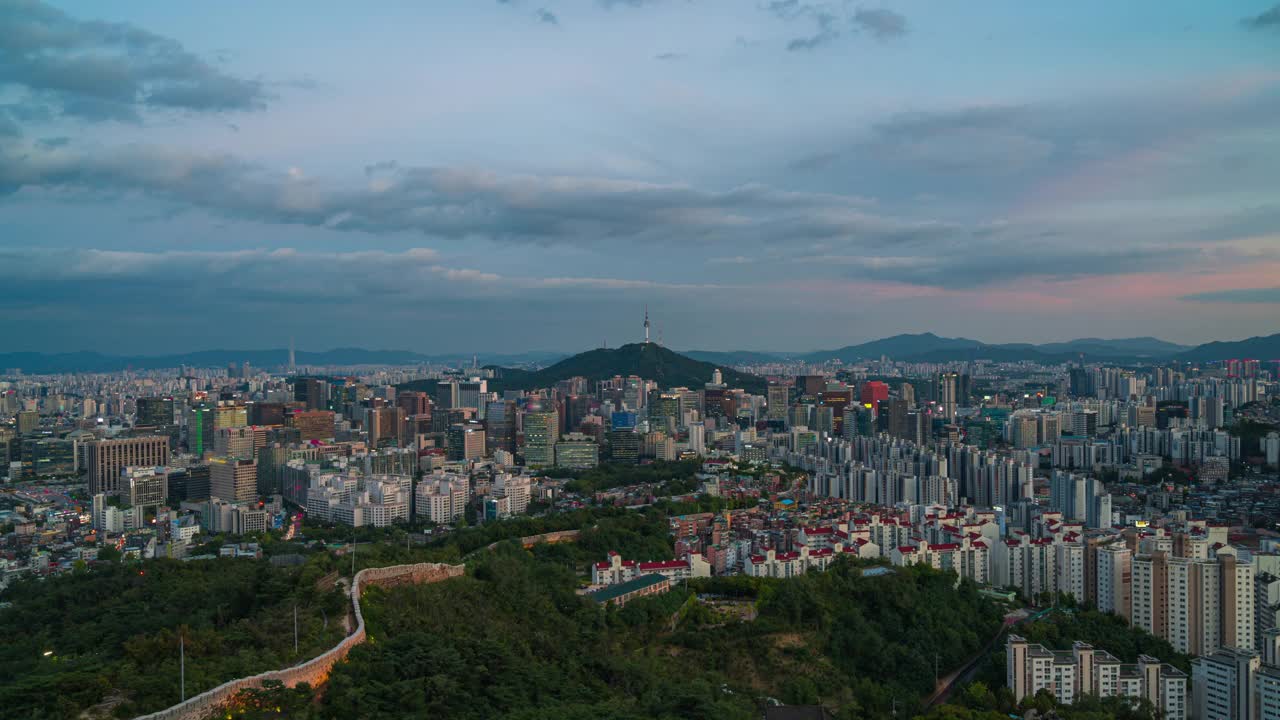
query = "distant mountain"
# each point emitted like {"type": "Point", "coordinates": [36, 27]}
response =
{"type": "Point", "coordinates": [734, 357]}
{"type": "Point", "coordinates": [650, 361]}
{"type": "Point", "coordinates": [898, 346]}
{"type": "Point", "coordinates": [36, 363]}
{"type": "Point", "coordinates": [1124, 346]}
{"type": "Point", "coordinates": [927, 347]}
{"type": "Point", "coordinates": [1261, 347]}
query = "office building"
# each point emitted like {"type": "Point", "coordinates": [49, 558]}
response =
{"type": "Point", "coordinates": [154, 412]}
{"type": "Point", "coordinates": [541, 428]}
{"type": "Point", "coordinates": [466, 441]}
{"type": "Point", "coordinates": [233, 479]}
{"type": "Point", "coordinates": [28, 421]}
{"type": "Point", "coordinates": [106, 458]}
{"type": "Point", "coordinates": [314, 425]}
{"type": "Point", "coordinates": [578, 451]}
{"type": "Point", "coordinates": [145, 486]}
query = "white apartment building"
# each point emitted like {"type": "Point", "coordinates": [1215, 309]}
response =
{"type": "Point", "coordinates": [615, 570]}
{"type": "Point", "coordinates": [442, 498]}
{"type": "Point", "coordinates": [1084, 670]}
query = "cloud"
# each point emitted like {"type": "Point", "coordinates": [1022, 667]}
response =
{"type": "Point", "coordinates": [1238, 295]}
{"type": "Point", "coordinates": [283, 276]}
{"type": "Point", "coordinates": [980, 262]}
{"type": "Point", "coordinates": [454, 202]}
{"type": "Point", "coordinates": [1266, 20]}
{"type": "Point", "coordinates": [883, 24]}
{"type": "Point", "coordinates": [825, 34]}
{"type": "Point", "coordinates": [829, 17]}
{"type": "Point", "coordinates": [669, 56]}
{"type": "Point", "coordinates": [544, 15]}
{"type": "Point", "coordinates": [823, 17]}
{"type": "Point", "coordinates": [96, 70]}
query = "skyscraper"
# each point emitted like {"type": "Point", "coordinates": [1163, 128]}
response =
{"type": "Point", "coordinates": [154, 411]}
{"type": "Point", "coordinates": [233, 479]}
{"type": "Point", "coordinates": [541, 428]}
{"type": "Point", "coordinates": [947, 393]}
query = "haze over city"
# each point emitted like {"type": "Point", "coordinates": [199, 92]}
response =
{"type": "Point", "coordinates": [525, 174]}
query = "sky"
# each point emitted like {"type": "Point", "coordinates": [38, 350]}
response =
{"type": "Point", "coordinates": [511, 175]}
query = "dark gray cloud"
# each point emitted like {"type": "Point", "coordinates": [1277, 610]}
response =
{"type": "Point", "coordinates": [826, 33]}
{"type": "Point", "coordinates": [544, 15]}
{"type": "Point", "coordinates": [881, 23]}
{"type": "Point", "coordinates": [1240, 295]}
{"type": "Point", "coordinates": [1266, 20]}
{"type": "Point", "coordinates": [452, 202]}
{"type": "Point", "coordinates": [828, 18]}
{"type": "Point", "coordinates": [97, 70]}
{"type": "Point", "coordinates": [842, 233]}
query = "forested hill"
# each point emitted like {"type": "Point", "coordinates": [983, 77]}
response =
{"type": "Point", "coordinates": [647, 360]}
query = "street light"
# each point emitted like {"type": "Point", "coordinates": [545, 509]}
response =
{"type": "Point", "coordinates": [47, 653]}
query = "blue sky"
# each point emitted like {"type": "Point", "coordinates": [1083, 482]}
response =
{"type": "Point", "coordinates": [502, 176]}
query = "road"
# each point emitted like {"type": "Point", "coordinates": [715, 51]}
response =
{"type": "Point", "coordinates": [948, 683]}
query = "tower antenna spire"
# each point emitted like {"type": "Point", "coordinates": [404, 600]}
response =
{"type": "Point", "coordinates": [646, 324]}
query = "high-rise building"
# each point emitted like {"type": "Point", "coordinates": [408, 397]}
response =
{"type": "Point", "coordinates": [225, 416]}
{"type": "Point", "coordinates": [466, 441]}
{"type": "Point", "coordinates": [577, 450]}
{"type": "Point", "coordinates": [200, 426]}
{"type": "Point", "coordinates": [313, 392]}
{"type": "Point", "coordinates": [233, 479]}
{"type": "Point", "coordinates": [384, 425]}
{"type": "Point", "coordinates": [873, 393]}
{"type": "Point", "coordinates": [313, 425]}
{"type": "Point", "coordinates": [541, 428]}
{"type": "Point", "coordinates": [154, 412]}
{"type": "Point", "coordinates": [266, 413]}
{"type": "Point", "coordinates": [145, 486]}
{"type": "Point", "coordinates": [470, 393]}
{"type": "Point", "coordinates": [234, 442]}
{"type": "Point", "coordinates": [778, 399]}
{"type": "Point", "coordinates": [106, 458]}
{"type": "Point", "coordinates": [28, 421]}
{"type": "Point", "coordinates": [500, 425]}
{"type": "Point", "coordinates": [1225, 685]}
{"type": "Point", "coordinates": [624, 446]}
{"type": "Point", "coordinates": [1115, 577]}
{"type": "Point", "coordinates": [948, 383]}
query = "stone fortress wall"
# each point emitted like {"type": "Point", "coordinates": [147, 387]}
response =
{"type": "Point", "coordinates": [316, 670]}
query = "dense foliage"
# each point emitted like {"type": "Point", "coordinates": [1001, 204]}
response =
{"type": "Point", "coordinates": [1102, 630]}
{"type": "Point", "coordinates": [677, 476]}
{"type": "Point", "coordinates": [514, 641]}
{"type": "Point", "coordinates": [112, 632]}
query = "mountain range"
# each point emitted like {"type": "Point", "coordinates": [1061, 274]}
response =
{"type": "Point", "coordinates": [922, 347]}
{"type": "Point", "coordinates": [928, 347]}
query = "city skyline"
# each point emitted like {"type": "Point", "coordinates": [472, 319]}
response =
{"type": "Point", "coordinates": [235, 176]}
